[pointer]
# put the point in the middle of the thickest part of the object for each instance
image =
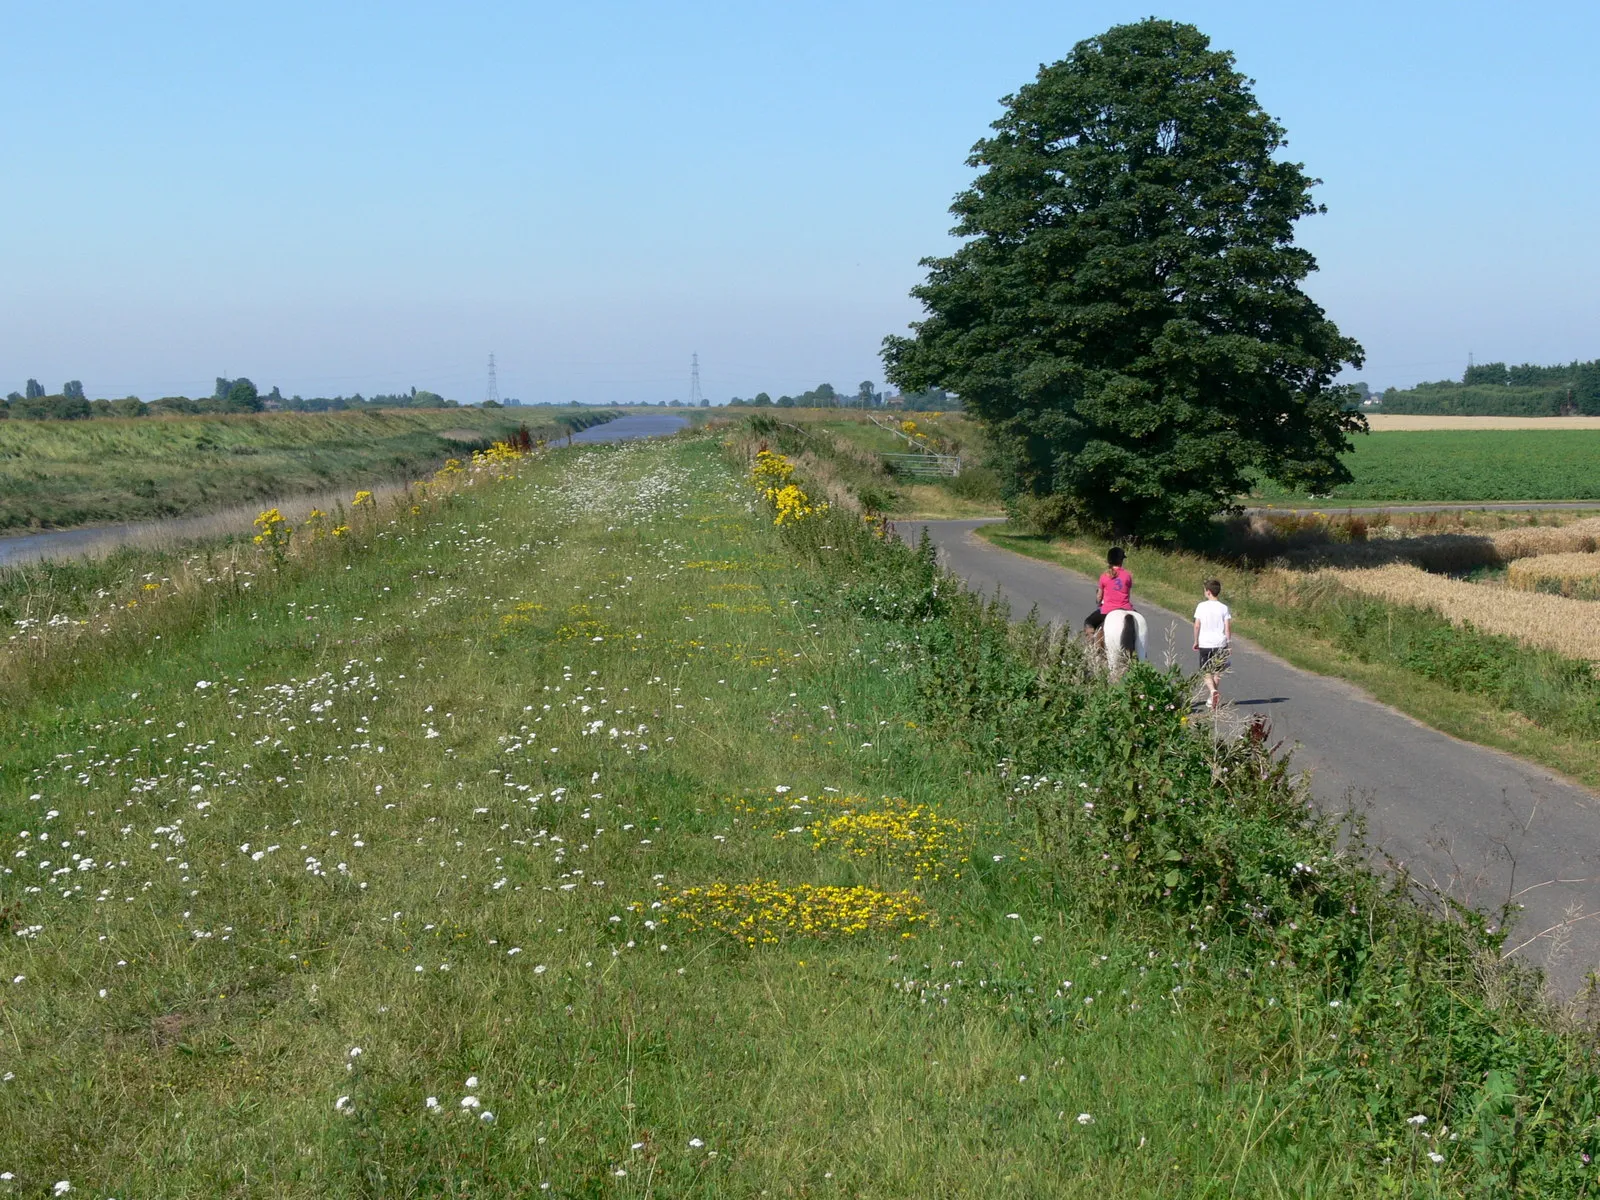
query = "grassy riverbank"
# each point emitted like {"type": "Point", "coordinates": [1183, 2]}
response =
{"type": "Point", "coordinates": [314, 861]}
{"type": "Point", "coordinates": [58, 474]}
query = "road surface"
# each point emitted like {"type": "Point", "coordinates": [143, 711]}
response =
{"type": "Point", "coordinates": [1478, 824]}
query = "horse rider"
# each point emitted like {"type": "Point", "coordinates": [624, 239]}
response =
{"type": "Point", "coordinates": [1115, 591]}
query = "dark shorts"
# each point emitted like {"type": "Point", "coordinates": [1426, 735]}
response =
{"type": "Point", "coordinates": [1213, 660]}
{"type": "Point", "coordinates": [1097, 619]}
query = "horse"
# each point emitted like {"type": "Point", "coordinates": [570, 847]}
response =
{"type": "Point", "coordinates": [1124, 633]}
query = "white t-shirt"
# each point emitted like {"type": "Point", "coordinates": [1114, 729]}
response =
{"type": "Point", "coordinates": [1213, 616]}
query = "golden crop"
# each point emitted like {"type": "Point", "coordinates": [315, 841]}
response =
{"type": "Point", "coordinates": [1575, 575]}
{"type": "Point", "coordinates": [1580, 537]}
{"type": "Point", "coordinates": [1567, 626]}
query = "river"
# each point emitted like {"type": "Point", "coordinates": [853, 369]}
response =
{"type": "Point", "coordinates": [632, 426]}
{"type": "Point", "coordinates": [102, 539]}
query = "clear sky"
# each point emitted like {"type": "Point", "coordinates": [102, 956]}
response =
{"type": "Point", "coordinates": [338, 197]}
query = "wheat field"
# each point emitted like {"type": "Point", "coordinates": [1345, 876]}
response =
{"type": "Point", "coordinates": [1578, 537]}
{"type": "Point", "coordinates": [1569, 574]}
{"type": "Point", "coordinates": [1559, 623]}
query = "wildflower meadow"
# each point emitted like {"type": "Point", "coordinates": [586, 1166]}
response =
{"type": "Point", "coordinates": [621, 821]}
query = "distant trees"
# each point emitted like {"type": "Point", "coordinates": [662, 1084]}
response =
{"type": "Point", "coordinates": [236, 396]}
{"type": "Point", "coordinates": [228, 396]}
{"type": "Point", "coordinates": [1497, 390]}
{"type": "Point", "coordinates": [823, 395]}
{"type": "Point", "coordinates": [50, 408]}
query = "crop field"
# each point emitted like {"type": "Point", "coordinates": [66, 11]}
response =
{"type": "Point", "coordinates": [1465, 466]}
{"type": "Point", "coordinates": [1567, 625]}
{"type": "Point", "coordinates": [1401, 422]}
{"type": "Point", "coordinates": [595, 826]}
{"type": "Point", "coordinates": [1576, 574]}
{"type": "Point", "coordinates": [57, 474]}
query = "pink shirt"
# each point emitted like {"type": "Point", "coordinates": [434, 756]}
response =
{"type": "Point", "coordinates": [1116, 590]}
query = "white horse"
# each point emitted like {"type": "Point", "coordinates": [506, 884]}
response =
{"type": "Point", "coordinates": [1124, 633]}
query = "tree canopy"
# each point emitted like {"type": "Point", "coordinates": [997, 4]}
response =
{"type": "Point", "coordinates": [1125, 315]}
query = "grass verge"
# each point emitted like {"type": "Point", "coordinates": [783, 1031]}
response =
{"type": "Point", "coordinates": [585, 829]}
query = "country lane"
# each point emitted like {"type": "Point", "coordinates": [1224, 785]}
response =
{"type": "Point", "coordinates": [1477, 824]}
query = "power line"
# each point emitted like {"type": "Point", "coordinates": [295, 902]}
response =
{"type": "Point", "coordinates": [694, 380]}
{"type": "Point", "coordinates": [493, 392]}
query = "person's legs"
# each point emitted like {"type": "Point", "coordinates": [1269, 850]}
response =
{"type": "Point", "coordinates": [1211, 662]}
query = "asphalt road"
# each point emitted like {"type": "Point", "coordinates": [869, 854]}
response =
{"type": "Point", "coordinates": [1477, 824]}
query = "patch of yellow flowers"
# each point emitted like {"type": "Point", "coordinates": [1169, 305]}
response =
{"type": "Point", "coordinates": [772, 475]}
{"type": "Point", "coordinates": [912, 837]}
{"type": "Point", "coordinates": [791, 505]}
{"type": "Point", "coordinates": [316, 522]}
{"type": "Point", "coordinates": [763, 912]}
{"type": "Point", "coordinates": [500, 458]}
{"type": "Point", "coordinates": [274, 531]}
{"type": "Point", "coordinates": [771, 471]}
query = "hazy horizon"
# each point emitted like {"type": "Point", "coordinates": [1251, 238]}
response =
{"type": "Point", "coordinates": [376, 197]}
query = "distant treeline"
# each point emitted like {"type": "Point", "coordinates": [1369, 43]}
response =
{"type": "Point", "coordinates": [1496, 390]}
{"type": "Point", "coordinates": [230, 396]}
{"type": "Point", "coordinates": [825, 396]}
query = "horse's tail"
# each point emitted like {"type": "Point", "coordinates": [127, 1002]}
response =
{"type": "Point", "coordinates": [1130, 634]}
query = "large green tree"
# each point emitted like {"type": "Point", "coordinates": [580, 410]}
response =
{"type": "Point", "coordinates": [1125, 315]}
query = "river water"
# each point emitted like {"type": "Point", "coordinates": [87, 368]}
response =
{"type": "Point", "coordinates": [101, 539]}
{"type": "Point", "coordinates": [632, 426]}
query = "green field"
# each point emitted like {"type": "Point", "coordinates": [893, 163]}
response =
{"type": "Point", "coordinates": [386, 869]}
{"type": "Point", "coordinates": [57, 474]}
{"type": "Point", "coordinates": [1455, 465]}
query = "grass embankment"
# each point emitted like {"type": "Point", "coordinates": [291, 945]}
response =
{"type": "Point", "coordinates": [846, 451]}
{"type": "Point", "coordinates": [57, 474]}
{"type": "Point", "coordinates": [1485, 688]}
{"type": "Point", "coordinates": [311, 868]}
{"type": "Point", "coordinates": [1463, 466]}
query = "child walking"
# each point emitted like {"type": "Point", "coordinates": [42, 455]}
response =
{"type": "Point", "coordinates": [1213, 630]}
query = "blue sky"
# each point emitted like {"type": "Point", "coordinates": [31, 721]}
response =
{"type": "Point", "coordinates": [338, 197]}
